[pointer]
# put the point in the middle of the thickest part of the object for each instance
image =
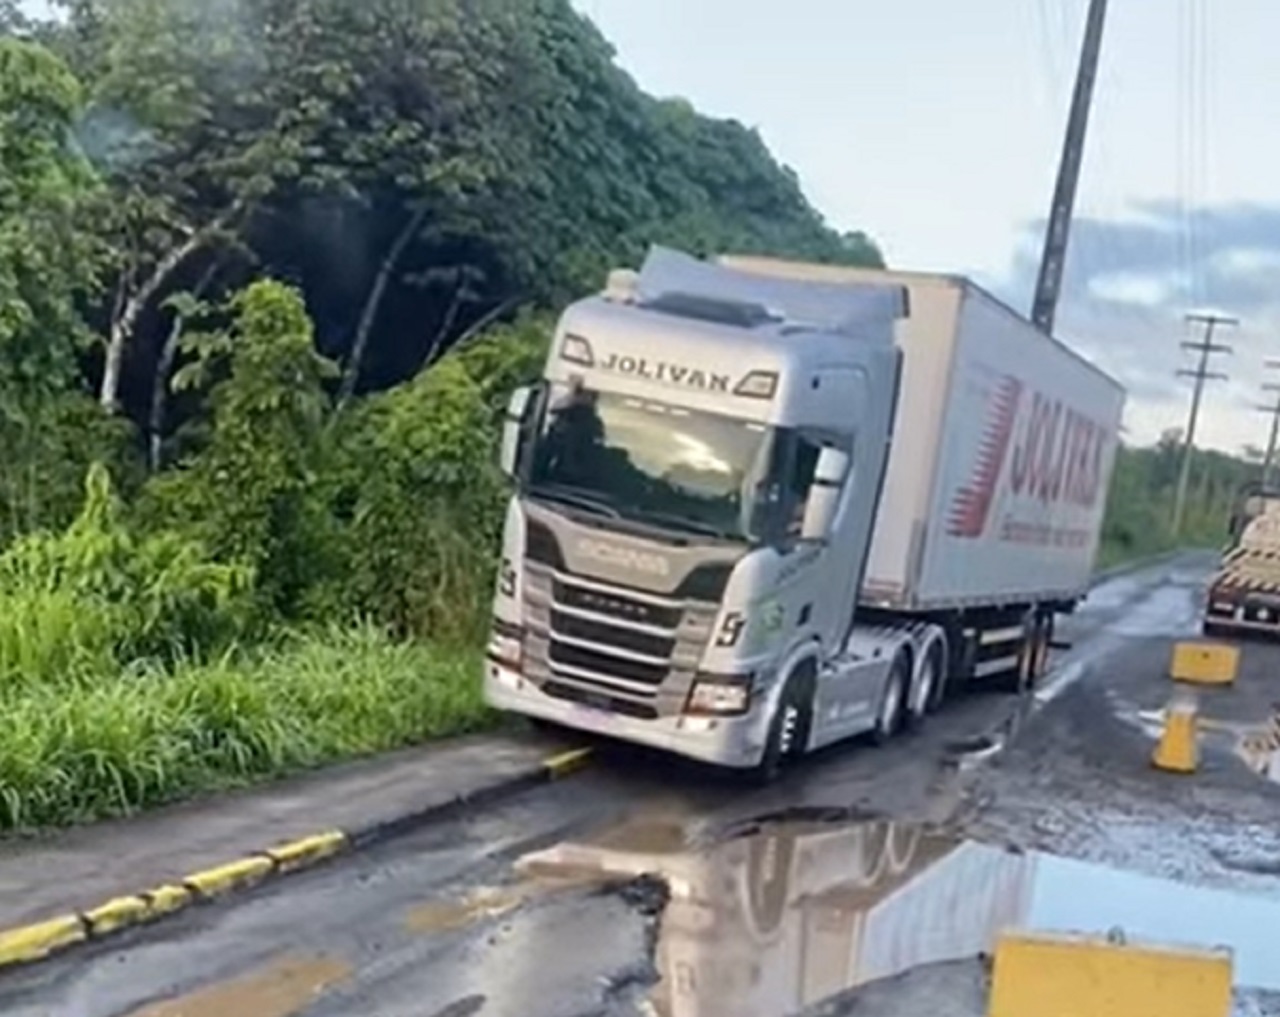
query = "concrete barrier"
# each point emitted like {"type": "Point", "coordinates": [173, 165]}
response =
{"type": "Point", "coordinates": [1063, 975]}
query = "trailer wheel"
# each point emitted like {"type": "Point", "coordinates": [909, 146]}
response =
{"type": "Point", "coordinates": [893, 703]}
{"type": "Point", "coordinates": [1032, 654]}
{"type": "Point", "coordinates": [1042, 637]}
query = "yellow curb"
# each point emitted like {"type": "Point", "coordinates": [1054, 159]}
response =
{"type": "Point", "coordinates": [218, 880]}
{"type": "Point", "coordinates": [566, 762]}
{"type": "Point", "coordinates": [32, 942]}
{"type": "Point", "coordinates": [119, 913]}
{"type": "Point", "coordinates": [167, 898]}
{"type": "Point", "coordinates": [298, 853]}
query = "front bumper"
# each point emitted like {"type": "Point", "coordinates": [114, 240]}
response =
{"type": "Point", "coordinates": [724, 741]}
{"type": "Point", "coordinates": [1257, 612]}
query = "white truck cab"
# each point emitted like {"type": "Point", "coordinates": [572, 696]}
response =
{"type": "Point", "coordinates": [697, 478]}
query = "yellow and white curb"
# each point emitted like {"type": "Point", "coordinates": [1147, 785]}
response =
{"type": "Point", "coordinates": [28, 943]}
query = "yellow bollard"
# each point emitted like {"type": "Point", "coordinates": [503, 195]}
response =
{"type": "Point", "coordinates": [1064, 975]}
{"type": "Point", "coordinates": [1179, 748]}
{"type": "Point", "coordinates": [1205, 663]}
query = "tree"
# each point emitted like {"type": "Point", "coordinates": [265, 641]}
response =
{"type": "Point", "coordinates": [49, 264]}
{"type": "Point", "coordinates": [249, 493]}
{"type": "Point", "coordinates": [415, 166]}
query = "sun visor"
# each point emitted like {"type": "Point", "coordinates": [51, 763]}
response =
{"type": "Point", "coordinates": [835, 306]}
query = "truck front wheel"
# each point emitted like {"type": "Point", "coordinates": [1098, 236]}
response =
{"type": "Point", "coordinates": [789, 729]}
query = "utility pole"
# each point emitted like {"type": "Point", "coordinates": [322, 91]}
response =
{"type": "Point", "coordinates": [1274, 411]}
{"type": "Point", "coordinates": [1205, 347]}
{"type": "Point", "coordinates": [1054, 258]}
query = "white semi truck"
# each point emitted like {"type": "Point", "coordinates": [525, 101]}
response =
{"type": "Point", "coordinates": [763, 506]}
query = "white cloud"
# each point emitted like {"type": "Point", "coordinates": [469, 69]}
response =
{"type": "Point", "coordinates": [1127, 289]}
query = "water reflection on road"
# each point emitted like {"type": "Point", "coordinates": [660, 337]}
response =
{"type": "Point", "coordinates": [784, 915]}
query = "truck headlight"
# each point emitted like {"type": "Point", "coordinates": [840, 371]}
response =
{"type": "Point", "coordinates": [720, 695]}
{"type": "Point", "coordinates": [506, 644]}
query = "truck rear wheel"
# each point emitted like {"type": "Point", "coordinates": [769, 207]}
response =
{"type": "Point", "coordinates": [893, 702]}
{"type": "Point", "coordinates": [928, 689]}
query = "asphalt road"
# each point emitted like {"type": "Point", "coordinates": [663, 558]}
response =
{"type": "Point", "coordinates": [541, 906]}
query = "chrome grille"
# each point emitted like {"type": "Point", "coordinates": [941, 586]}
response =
{"type": "Point", "coordinates": [616, 605]}
{"type": "Point", "coordinates": [611, 647]}
{"type": "Point", "coordinates": [644, 642]}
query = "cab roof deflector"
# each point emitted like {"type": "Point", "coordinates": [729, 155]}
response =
{"type": "Point", "coordinates": [674, 281]}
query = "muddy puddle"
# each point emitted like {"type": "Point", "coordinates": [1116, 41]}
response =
{"type": "Point", "coordinates": [283, 988]}
{"type": "Point", "coordinates": [784, 915]}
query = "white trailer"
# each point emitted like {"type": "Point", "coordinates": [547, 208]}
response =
{"type": "Point", "coordinates": [998, 473]}
{"type": "Point", "coordinates": [762, 506]}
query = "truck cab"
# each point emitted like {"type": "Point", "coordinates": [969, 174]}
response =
{"type": "Point", "coordinates": [696, 476]}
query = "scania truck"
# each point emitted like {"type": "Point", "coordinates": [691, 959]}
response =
{"type": "Point", "coordinates": [763, 506]}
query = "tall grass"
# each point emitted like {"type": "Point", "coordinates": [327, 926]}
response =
{"type": "Point", "coordinates": [155, 733]}
{"type": "Point", "coordinates": [135, 669]}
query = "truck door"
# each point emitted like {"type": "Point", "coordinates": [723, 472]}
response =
{"type": "Point", "coordinates": [861, 406]}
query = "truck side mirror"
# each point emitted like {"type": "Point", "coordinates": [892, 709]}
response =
{"type": "Point", "coordinates": [512, 430]}
{"type": "Point", "coordinates": [824, 496]}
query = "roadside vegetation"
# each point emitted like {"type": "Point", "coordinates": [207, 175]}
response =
{"type": "Point", "coordinates": [267, 274]}
{"type": "Point", "coordinates": [1143, 489]}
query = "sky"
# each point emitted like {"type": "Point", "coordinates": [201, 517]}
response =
{"type": "Point", "coordinates": [936, 126]}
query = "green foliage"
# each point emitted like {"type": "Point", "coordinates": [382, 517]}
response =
{"type": "Point", "coordinates": [136, 739]}
{"type": "Point", "coordinates": [97, 598]}
{"type": "Point", "coordinates": [249, 494]}
{"type": "Point", "coordinates": [426, 505]}
{"type": "Point", "coordinates": [503, 358]}
{"type": "Point", "coordinates": [1139, 519]}
{"type": "Point", "coordinates": [412, 165]}
{"type": "Point", "coordinates": [47, 453]}
{"type": "Point", "coordinates": [47, 260]}
{"type": "Point", "coordinates": [232, 200]}
{"type": "Point", "coordinates": [49, 263]}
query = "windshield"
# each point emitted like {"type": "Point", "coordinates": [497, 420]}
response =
{"type": "Point", "coordinates": [650, 461]}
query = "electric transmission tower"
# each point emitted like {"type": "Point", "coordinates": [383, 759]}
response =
{"type": "Point", "coordinates": [1206, 347]}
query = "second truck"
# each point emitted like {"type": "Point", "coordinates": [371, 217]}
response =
{"type": "Point", "coordinates": [762, 506]}
{"type": "Point", "coordinates": [1244, 594]}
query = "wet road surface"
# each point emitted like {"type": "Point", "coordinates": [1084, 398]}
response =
{"type": "Point", "coordinates": [766, 901]}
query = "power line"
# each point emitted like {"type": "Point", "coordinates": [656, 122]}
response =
{"type": "Point", "coordinates": [1206, 347]}
{"type": "Point", "coordinates": [1053, 260]}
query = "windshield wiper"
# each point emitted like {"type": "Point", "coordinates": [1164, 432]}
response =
{"type": "Point", "coordinates": [687, 524]}
{"type": "Point", "coordinates": [574, 496]}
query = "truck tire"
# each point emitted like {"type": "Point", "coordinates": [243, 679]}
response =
{"type": "Point", "coordinates": [894, 701]}
{"type": "Point", "coordinates": [789, 728]}
{"type": "Point", "coordinates": [1032, 656]}
{"type": "Point", "coordinates": [929, 689]}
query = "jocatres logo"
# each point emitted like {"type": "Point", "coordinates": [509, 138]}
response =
{"type": "Point", "coordinates": [1057, 457]}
